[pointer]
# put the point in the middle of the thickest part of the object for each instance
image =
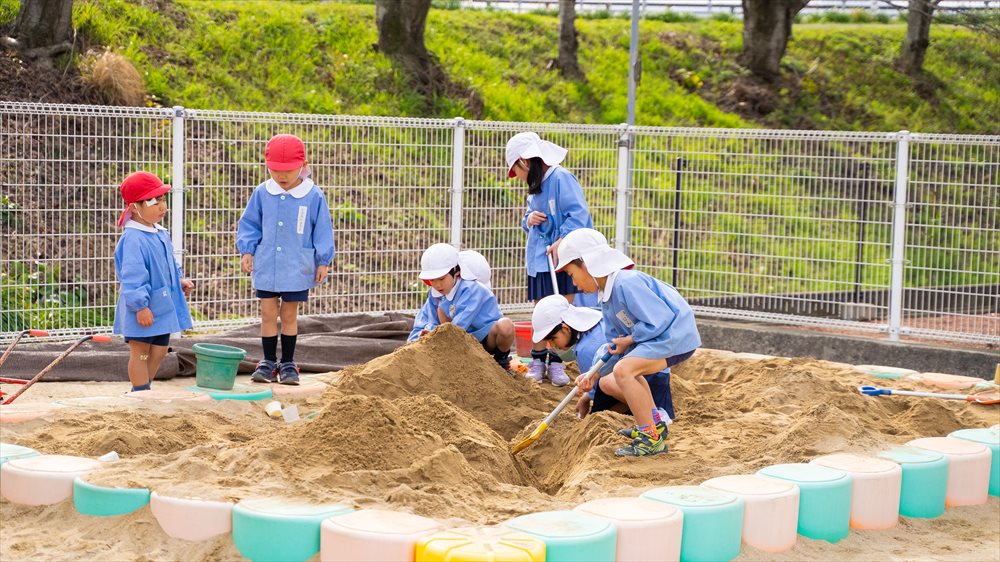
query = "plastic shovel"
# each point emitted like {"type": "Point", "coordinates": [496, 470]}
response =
{"type": "Point", "coordinates": [552, 272]}
{"type": "Point", "coordinates": [50, 366]}
{"type": "Point", "coordinates": [987, 397]}
{"type": "Point", "coordinates": [565, 401]}
{"type": "Point", "coordinates": [17, 338]}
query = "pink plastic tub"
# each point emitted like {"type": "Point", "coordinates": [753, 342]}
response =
{"type": "Point", "coordinates": [877, 485]}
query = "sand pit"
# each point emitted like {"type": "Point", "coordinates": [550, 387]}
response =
{"type": "Point", "coordinates": [427, 429]}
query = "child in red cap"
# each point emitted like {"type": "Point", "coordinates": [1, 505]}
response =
{"type": "Point", "coordinates": [285, 239]}
{"type": "Point", "coordinates": [151, 303]}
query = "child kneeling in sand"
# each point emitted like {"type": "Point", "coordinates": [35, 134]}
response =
{"type": "Point", "coordinates": [467, 303]}
{"type": "Point", "coordinates": [564, 326]}
{"type": "Point", "coordinates": [649, 324]}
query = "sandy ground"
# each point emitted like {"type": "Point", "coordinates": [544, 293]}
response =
{"type": "Point", "coordinates": [428, 429]}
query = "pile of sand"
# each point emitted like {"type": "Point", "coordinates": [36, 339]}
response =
{"type": "Point", "coordinates": [428, 429]}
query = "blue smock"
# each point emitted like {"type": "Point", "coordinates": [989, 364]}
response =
{"type": "Point", "coordinates": [660, 321]}
{"type": "Point", "coordinates": [289, 234]}
{"type": "Point", "coordinates": [562, 201]}
{"type": "Point", "coordinates": [469, 305]}
{"type": "Point", "coordinates": [149, 277]}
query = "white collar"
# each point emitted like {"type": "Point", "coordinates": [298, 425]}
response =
{"type": "Point", "coordinates": [609, 285]}
{"type": "Point", "coordinates": [297, 192]}
{"type": "Point", "coordinates": [139, 226]}
{"type": "Point", "coordinates": [549, 171]}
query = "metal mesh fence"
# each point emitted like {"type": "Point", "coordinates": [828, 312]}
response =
{"type": "Point", "coordinates": [800, 227]}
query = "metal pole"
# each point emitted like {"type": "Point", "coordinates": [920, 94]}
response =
{"type": "Point", "coordinates": [897, 260]}
{"type": "Point", "coordinates": [634, 67]}
{"type": "Point", "coordinates": [177, 181]}
{"type": "Point", "coordinates": [457, 181]}
{"type": "Point", "coordinates": [862, 219]}
{"type": "Point", "coordinates": [622, 190]}
{"type": "Point", "coordinates": [681, 162]}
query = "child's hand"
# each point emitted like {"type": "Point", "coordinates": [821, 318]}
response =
{"type": "Point", "coordinates": [145, 317]}
{"type": "Point", "coordinates": [583, 406]}
{"type": "Point", "coordinates": [187, 285]}
{"type": "Point", "coordinates": [536, 218]}
{"type": "Point", "coordinates": [584, 384]}
{"type": "Point", "coordinates": [321, 272]}
{"type": "Point", "coordinates": [246, 263]}
{"type": "Point", "coordinates": [621, 344]}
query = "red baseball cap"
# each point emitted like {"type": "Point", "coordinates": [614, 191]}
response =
{"type": "Point", "coordinates": [285, 152]}
{"type": "Point", "coordinates": [140, 186]}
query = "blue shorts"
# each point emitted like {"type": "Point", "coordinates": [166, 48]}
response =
{"type": "Point", "coordinates": [540, 286]}
{"type": "Point", "coordinates": [659, 387]}
{"type": "Point", "coordinates": [161, 340]}
{"type": "Point", "coordinates": [287, 296]}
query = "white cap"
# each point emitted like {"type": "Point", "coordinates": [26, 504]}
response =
{"type": "Point", "coordinates": [475, 267]}
{"type": "Point", "coordinates": [554, 310]}
{"type": "Point", "coordinates": [530, 145]}
{"type": "Point", "coordinates": [438, 260]}
{"type": "Point", "coordinates": [591, 247]}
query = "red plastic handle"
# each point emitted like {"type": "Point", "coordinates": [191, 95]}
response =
{"type": "Point", "coordinates": [101, 339]}
{"type": "Point", "coordinates": [37, 333]}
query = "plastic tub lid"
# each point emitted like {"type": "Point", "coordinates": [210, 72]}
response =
{"type": "Point", "coordinates": [691, 496]}
{"type": "Point", "coordinates": [910, 455]}
{"type": "Point", "coordinates": [855, 463]}
{"type": "Point", "coordinates": [802, 472]}
{"type": "Point", "coordinates": [749, 485]}
{"type": "Point", "coordinates": [11, 451]}
{"type": "Point", "coordinates": [387, 522]}
{"type": "Point", "coordinates": [628, 509]}
{"type": "Point", "coordinates": [559, 524]}
{"type": "Point", "coordinates": [275, 506]}
{"type": "Point", "coordinates": [62, 464]}
{"type": "Point", "coordinates": [949, 445]}
{"type": "Point", "coordinates": [988, 436]}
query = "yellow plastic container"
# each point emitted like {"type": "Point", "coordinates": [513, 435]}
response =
{"type": "Point", "coordinates": [480, 544]}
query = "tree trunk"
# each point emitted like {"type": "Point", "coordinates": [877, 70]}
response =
{"type": "Point", "coordinates": [42, 24]}
{"type": "Point", "coordinates": [401, 37]}
{"type": "Point", "coordinates": [918, 37]}
{"type": "Point", "coordinates": [567, 62]}
{"type": "Point", "coordinates": [767, 26]}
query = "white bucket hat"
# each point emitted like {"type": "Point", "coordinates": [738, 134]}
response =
{"type": "Point", "coordinates": [592, 247]}
{"type": "Point", "coordinates": [438, 260]}
{"type": "Point", "coordinates": [530, 145]}
{"type": "Point", "coordinates": [554, 310]}
{"type": "Point", "coordinates": [475, 267]}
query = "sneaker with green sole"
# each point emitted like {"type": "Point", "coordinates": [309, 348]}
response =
{"type": "Point", "coordinates": [644, 446]}
{"type": "Point", "coordinates": [633, 432]}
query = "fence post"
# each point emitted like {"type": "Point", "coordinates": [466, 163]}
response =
{"type": "Point", "coordinates": [622, 189]}
{"type": "Point", "coordinates": [457, 181]}
{"type": "Point", "coordinates": [177, 181]}
{"type": "Point", "coordinates": [897, 261]}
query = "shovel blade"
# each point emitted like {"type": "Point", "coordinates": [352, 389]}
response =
{"type": "Point", "coordinates": [531, 438]}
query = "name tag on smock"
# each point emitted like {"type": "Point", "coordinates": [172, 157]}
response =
{"type": "Point", "coordinates": [625, 318]}
{"type": "Point", "coordinates": [300, 226]}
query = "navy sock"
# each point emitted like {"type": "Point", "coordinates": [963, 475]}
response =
{"type": "Point", "coordinates": [553, 358]}
{"type": "Point", "coordinates": [141, 387]}
{"type": "Point", "coordinates": [288, 348]}
{"type": "Point", "coordinates": [270, 345]}
{"type": "Point", "coordinates": [540, 355]}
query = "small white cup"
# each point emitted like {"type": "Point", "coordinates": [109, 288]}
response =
{"type": "Point", "coordinates": [273, 409]}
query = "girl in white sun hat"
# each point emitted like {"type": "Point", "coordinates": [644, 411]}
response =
{"type": "Point", "coordinates": [556, 207]}
{"type": "Point", "coordinates": [647, 321]}
{"type": "Point", "coordinates": [467, 303]}
{"type": "Point", "coordinates": [563, 326]}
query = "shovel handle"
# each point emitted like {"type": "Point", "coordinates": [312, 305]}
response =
{"type": "Point", "coordinates": [552, 272]}
{"type": "Point", "coordinates": [569, 397]}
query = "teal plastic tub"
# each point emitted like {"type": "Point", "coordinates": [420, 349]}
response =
{"type": "Point", "coordinates": [275, 530]}
{"type": "Point", "coordinates": [925, 481]}
{"type": "Point", "coordinates": [713, 521]}
{"type": "Point", "coordinates": [216, 365]}
{"type": "Point", "coordinates": [238, 392]}
{"type": "Point", "coordinates": [824, 498]}
{"type": "Point", "coordinates": [990, 438]}
{"type": "Point", "coordinates": [9, 452]}
{"type": "Point", "coordinates": [89, 499]}
{"type": "Point", "coordinates": [570, 536]}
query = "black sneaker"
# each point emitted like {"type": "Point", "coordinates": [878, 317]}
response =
{"type": "Point", "coordinates": [288, 373]}
{"type": "Point", "coordinates": [267, 371]}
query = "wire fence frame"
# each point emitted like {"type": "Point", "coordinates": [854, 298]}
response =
{"type": "Point", "coordinates": [882, 232]}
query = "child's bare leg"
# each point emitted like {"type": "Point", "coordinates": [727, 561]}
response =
{"type": "Point", "coordinates": [628, 375]}
{"type": "Point", "coordinates": [268, 317]}
{"type": "Point", "coordinates": [138, 360]}
{"type": "Point", "coordinates": [156, 355]}
{"type": "Point", "coordinates": [289, 319]}
{"type": "Point", "coordinates": [501, 336]}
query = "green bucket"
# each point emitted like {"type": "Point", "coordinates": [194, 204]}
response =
{"type": "Point", "coordinates": [217, 365]}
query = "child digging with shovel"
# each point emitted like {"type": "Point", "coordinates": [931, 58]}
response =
{"type": "Point", "coordinates": [649, 324]}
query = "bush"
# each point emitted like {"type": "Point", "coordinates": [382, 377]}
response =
{"type": "Point", "coordinates": [114, 78]}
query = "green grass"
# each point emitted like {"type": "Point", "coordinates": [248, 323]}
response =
{"type": "Point", "coordinates": [319, 57]}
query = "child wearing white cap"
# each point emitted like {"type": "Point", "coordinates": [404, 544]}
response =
{"type": "Point", "coordinates": [467, 303]}
{"type": "Point", "coordinates": [556, 207]}
{"type": "Point", "coordinates": [647, 321]}
{"type": "Point", "coordinates": [563, 326]}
